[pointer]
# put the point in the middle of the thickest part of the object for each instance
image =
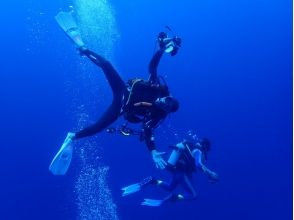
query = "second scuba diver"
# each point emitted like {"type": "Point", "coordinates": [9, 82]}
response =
{"type": "Point", "coordinates": [186, 158]}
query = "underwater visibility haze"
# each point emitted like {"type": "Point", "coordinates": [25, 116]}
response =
{"type": "Point", "coordinates": [233, 79]}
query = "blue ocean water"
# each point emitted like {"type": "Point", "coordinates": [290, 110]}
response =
{"type": "Point", "coordinates": [233, 77]}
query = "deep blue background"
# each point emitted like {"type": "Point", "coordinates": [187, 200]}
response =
{"type": "Point", "coordinates": [233, 76]}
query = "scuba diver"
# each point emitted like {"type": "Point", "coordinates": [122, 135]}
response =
{"type": "Point", "coordinates": [186, 158]}
{"type": "Point", "coordinates": [139, 101]}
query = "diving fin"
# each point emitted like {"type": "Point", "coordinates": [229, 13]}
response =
{"type": "Point", "coordinates": [152, 202]}
{"type": "Point", "coordinates": [131, 189]}
{"type": "Point", "coordinates": [138, 186]}
{"type": "Point", "coordinates": [170, 198]}
{"type": "Point", "coordinates": [68, 24]}
{"type": "Point", "coordinates": [62, 159]}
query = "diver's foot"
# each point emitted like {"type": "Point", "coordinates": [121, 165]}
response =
{"type": "Point", "coordinates": [82, 50]}
{"type": "Point", "coordinates": [173, 197]}
{"type": "Point", "coordinates": [70, 136]}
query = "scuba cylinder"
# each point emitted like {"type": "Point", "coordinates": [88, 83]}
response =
{"type": "Point", "coordinates": [176, 153]}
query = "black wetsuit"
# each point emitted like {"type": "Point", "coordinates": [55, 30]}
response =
{"type": "Point", "coordinates": [124, 99]}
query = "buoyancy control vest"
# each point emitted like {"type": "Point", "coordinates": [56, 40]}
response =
{"type": "Point", "coordinates": [182, 157]}
{"type": "Point", "coordinates": [141, 91]}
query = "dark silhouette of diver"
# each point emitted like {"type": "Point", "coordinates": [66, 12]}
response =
{"type": "Point", "coordinates": [139, 101]}
{"type": "Point", "coordinates": [186, 158]}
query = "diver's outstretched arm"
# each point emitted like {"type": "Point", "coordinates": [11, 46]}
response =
{"type": "Point", "coordinates": [150, 142]}
{"type": "Point", "coordinates": [166, 45]}
{"type": "Point", "coordinates": [198, 162]}
{"type": "Point", "coordinates": [153, 78]}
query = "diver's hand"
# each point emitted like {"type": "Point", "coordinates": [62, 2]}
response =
{"type": "Point", "coordinates": [213, 177]}
{"type": "Point", "coordinates": [158, 160]}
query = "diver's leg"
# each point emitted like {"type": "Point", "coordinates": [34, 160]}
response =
{"type": "Point", "coordinates": [118, 88]}
{"type": "Point", "coordinates": [115, 81]}
{"type": "Point", "coordinates": [166, 186]}
{"type": "Point", "coordinates": [61, 161]}
{"type": "Point", "coordinates": [186, 181]}
{"type": "Point", "coordinates": [169, 186]}
{"type": "Point", "coordinates": [188, 184]}
{"type": "Point", "coordinates": [109, 116]}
